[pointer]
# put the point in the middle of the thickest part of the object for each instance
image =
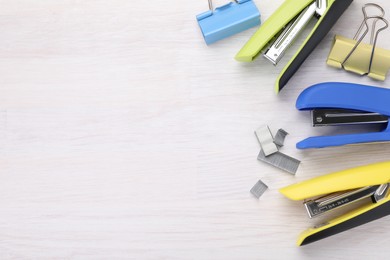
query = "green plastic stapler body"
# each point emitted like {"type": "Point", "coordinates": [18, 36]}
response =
{"type": "Point", "coordinates": [284, 25]}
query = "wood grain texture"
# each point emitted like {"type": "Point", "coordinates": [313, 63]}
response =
{"type": "Point", "coordinates": [123, 136]}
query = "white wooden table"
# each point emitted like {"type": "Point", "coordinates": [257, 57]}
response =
{"type": "Point", "coordinates": [123, 136]}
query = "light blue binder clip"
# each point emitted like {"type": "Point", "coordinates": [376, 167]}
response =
{"type": "Point", "coordinates": [228, 19]}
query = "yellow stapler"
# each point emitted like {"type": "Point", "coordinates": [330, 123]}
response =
{"type": "Point", "coordinates": [344, 187]}
{"type": "Point", "coordinates": [279, 31]}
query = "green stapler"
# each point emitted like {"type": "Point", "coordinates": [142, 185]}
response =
{"type": "Point", "coordinates": [282, 27]}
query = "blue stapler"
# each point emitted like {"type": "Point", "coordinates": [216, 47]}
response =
{"type": "Point", "coordinates": [336, 103]}
{"type": "Point", "coordinates": [228, 19]}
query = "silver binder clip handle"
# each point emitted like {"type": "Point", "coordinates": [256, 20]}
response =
{"type": "Point", "coordinates": [211, 5]}
{"type": "Point", "coordinates": [374, 32]}
{"type": "Point", "coordinates": [364, 9]}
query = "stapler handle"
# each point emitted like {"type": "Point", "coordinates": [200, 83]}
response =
{"type": "Point", "coordinates": [358, 177]}
{"type": "Point", "coordinates": [345, 96]}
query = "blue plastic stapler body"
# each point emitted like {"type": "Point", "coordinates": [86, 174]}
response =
{"type": "Point", "coordinates": [228, 19]}
{"type": "Point", "coordinates": [336, 103]}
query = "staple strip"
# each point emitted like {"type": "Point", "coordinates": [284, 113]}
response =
{"type": "Point", "coordinates": [266, 140]}
{"type": "Point", "coordinates": [279, 137]}
{"type": "Point", "coordinates": [259, 188]}
{"type": "Point", "coordinates": [281, 161]}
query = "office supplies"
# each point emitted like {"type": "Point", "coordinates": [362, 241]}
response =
{"type": "Point", "coordinates": [355, 56]}
{"type": "Point", "coordinates": [228, 19]}
{"type": "Point", "coordinates": [291, 17]}
{"type": "Point", "coordinates": [336, 103]}
{"type": "Point", "coordinates": [279, 137]}
{"type": "Point", "coordinates": [281, 161]}
{"type": "Point", "coordinates": [368, 184]}
{"type": "Point", "coordinates": [266, 140]}
{"type": "Point", "coordinates": [259, 188]}
{"type": "Point", "coordinates": [273, 156]}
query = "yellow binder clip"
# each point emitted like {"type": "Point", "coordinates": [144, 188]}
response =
{"type": "Point", "coordinates": [361, 58]}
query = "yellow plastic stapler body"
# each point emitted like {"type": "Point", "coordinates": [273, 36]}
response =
{"type": "Point", "coordinates": [343, 188]}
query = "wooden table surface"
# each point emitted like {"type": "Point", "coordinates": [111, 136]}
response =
{"type": "Point", "coordinates": [123, 136]}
